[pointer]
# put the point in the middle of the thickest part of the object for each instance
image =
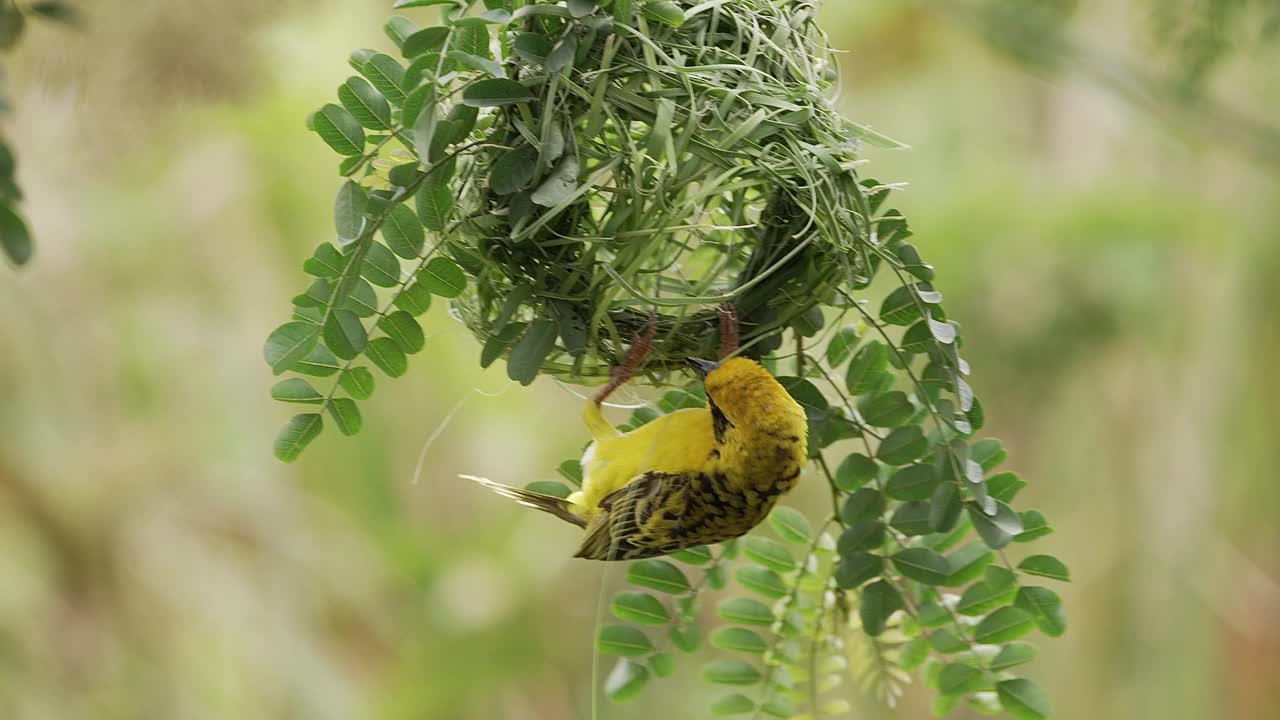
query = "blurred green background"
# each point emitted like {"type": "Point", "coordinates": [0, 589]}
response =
{"type": "Point", "coordinates": [1107, 239]}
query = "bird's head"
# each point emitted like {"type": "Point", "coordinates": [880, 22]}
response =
{"type": "Point", "coordinates": [742, 394]}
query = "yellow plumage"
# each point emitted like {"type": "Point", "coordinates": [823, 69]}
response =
{"type": "Point", "coordinates": [693, 477]}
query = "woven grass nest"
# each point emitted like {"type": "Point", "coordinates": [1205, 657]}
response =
{"type": "Point", "coordinates": [672, 156]}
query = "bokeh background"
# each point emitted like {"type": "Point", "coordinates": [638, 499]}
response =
{"type": "Point", "coordinates": [1097, 186]}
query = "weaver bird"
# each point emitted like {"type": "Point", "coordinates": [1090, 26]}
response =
{"type": "Point", "coordinates": [693, 477]}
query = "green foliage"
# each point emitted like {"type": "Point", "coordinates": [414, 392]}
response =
{"type": "Point", "coordinates": [527, 163]}
{"type": "Point", "coordinates": [15, 237]}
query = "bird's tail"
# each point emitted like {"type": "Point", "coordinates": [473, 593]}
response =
{"type": "Point", "coordinates": [559, 507]}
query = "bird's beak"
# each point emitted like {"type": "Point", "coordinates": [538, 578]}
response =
{"type": "Point", "coordinates": [702, 367]}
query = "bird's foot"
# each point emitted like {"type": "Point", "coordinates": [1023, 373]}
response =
{"type": "Point", "coordinates": [620, 374]}
{"type": "Point", "coordinates": [728, 329]}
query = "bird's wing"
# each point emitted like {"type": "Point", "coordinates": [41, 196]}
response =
{"type": "Point", "coordinates": [625, 530]}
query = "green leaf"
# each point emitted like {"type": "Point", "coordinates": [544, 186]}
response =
{"type": "Point", "coordinates": [625, 681]}
{"type": "Point", "coordinates": [989, 453]}
{"type": "Point", "coordinates": [532, 47]}
{"type": "Point", "coordinates": [854, 472]}
{"type": "Point", "coordinates": [945, 507]}
{"type": "Point", "coordinates": [957, 678]}
{"type": "Point", "coordinates": [865, 534]}
{"type": "Point", "coordinates": [667, 13]}
{"type": "Point", "coordinates": [339, 130]}
{"type": "Point", "coordinates": [58, 11]}
{"type": "Point", "coordinates": [738, 639]}
{"type": "Point", "coordinates": [403, 232]}
{"type": "Point", "coordinates": [478, 63]}
{"type": "Point", "coordinates": [1004, 486]}
{"type": "Point", "coordinates": [900, 307]}
{"type": "Point", "coordinates": [290, 343]}
{"type": "Point", "coordinates": [15, 238]}
{"type": "Point", "coordinates": [761, 580]}
{"type": "Point", "coordinates": [663, 664]}
{"type": "Point", "coordinates": [435, 202]}
{"type": "Point", "coordinates": [358, 382]}
{"type": "Point", "coordinates": [571, 470]}
{"type": "Point", "coordinates": [639, 607]}
{"type": "Point", "coordinates": [387, 75]}
{"type": "Point", "coordinates": [365, 104]}
{"type": "Point", "coordinates": [841, 345]}
{"type": "Point", "coordinates": [425, 3]}
{"type": "Point", "coordinates": [745, 611]}
{"type": "Point", "coordinates": [1000, 578]}
{"type": "Point", "coordinates": [325, 262]}
{"type": "Point", "coordinates": [414, 299]}
{"type": "Point", "coordinates": [686, 637]}
{"type": "Point", "coordinates": [914, 652]}
{"type": "Point", "coordinates": [699, 555]}
{"type": "Point", "coordinates": [866, 368]}
{"type": "Point", "coordinates": [296, 435]}
{"type": "Point", "coordinates": [967, 563]}
{"type": "Point", "coordinates": [1012, 655]}
{"type": "Point", "coordinates": [857, 568]}
{"type": "Point", "coordinates": [731, 672]}
{"type": "Point", "coordinates": [527, 356]}
{"type": "Point", "coordinates": [931, 615]}
{"type": "Point", "coordinates": [401, 327]}
{"type": "Point", "coordinates": [1045, 566]}
{"type": "Point", "coordinates": [865, 503]}
{"type": "Point", "coordinates": [296, 390]}
{"type": "Point", "coordinates": [380, 266]}
{"type": "Point", "coordinates": [1003, 625]}
{"type": "Point", "coordinates": [320, 362]}
{"type": "Point", "coordinates": [879, 601]}
{"type": "Point", "coordinates": [443, 277]}
{"type": "Point", "coordinates": [790, 524]}
{"type": "Point", "coordinates": [889, 409]}
{"type": "Point", "coordinates": [513, 170]}
{"type": "Point", "coordinates": [946, 641]}
{"type": "Point", "coordinates": [735, 704]}
{"type": "Point", "coordinates": [424, 41]}
{"type": "Point", "coordinates": [769, 553]}
{"type": "Point", "coordinates": [561, 56]}
{"type": "Point", "coordinates": [387, 356]}
{"type": "Point", "coordinates": [902, 445]}
{"type": "Point", "coordinates": [345, 334]}
{"type": "Point", "coordinates": [399, 28]}
{"type": "Point", "coordinates": [559, 185]}
{"type": "Point", "coordinates": [495, 16]}
{"type": "Point", "coordinates": [1045, 608]}
{"type": "Point", "coordinates": [914, 482]}
{"type": "Point", "coordinates": [623, 640]}
{"type": "Point", "coordinates": [1023, 699]}
{"type": "Point", "coordinates": [658, 575]}
{"type": "Point", "coordinates": [981, 598]}
{"type": "Point", "coordinates": [346, 415]}
{"type": "Point", "coordinates": [912, 518]}
{"type": "Point", "coordinates": [553, 488]}
{"type": "Point", "coordinates": [493, 92]}
{"type": "Point", "coordinates": [499, 342]}
{"type": "Point", "coordinates": [1033, 526]}
{"type": "Point", "coordinates": [991, 533]}
{"type": "Point", "coordinates": [922, 565]}
{"type": "Point", "coordinates": [348, 213]}
{"type": "Point", "coordinates": [779, 706]}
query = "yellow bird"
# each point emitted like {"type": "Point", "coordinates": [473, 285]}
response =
{"type": "Point", "coordinates": [693, 477]}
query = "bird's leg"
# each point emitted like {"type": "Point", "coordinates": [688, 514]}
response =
{"type": "Point", "coordinates": [619, 374]}
{"type": "Point", "coordinates": [728, 329]}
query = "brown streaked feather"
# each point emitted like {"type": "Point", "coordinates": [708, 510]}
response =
{"type": "Point", "coordinates": [622, 531]}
